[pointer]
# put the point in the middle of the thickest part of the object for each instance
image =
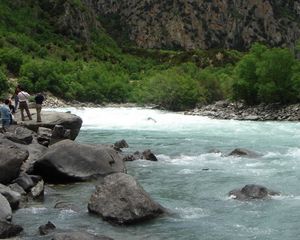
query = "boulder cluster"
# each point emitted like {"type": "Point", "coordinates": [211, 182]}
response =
{"type": "Point", "coordinates": [34, 154]}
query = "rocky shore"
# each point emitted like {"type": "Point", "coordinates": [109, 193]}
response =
{"type": "Point", "coordinates": [217, 110]}
{"type": "Point", "coordinates": [33, 154]}
{"type": "Point", "coordinates": [239, 111]}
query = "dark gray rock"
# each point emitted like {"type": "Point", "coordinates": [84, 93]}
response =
{"type": "Point", "coordinates": [47, 228]}
{"type": "Point", "coordinates": [146, 155]}
{"type": "Point", "coordinates": [68, 161]}
{"type": "Point", "coordinates": [252, 192]}
{"type": "Point", "coordinates": [25, 181]}
{"type": "Point", "coordinates": [8, 230]}
{"type": "Point", "coordinates": [78, 236]}
{"type": "Point", "coordinates": [121, 200]}
{"type": "Point", "coordinates": [35, 178]}
{"type": "Point", "coordinates": [121, 144]}
{"type": "Point", "coordinates": [242, 152]}
{"type": "Point", "coordinates": [11, 159]}
{"type": "Point", "coordinates": [132, 157]}
{"type": "Point", "coordinates": [12, 197]}
{"type": "Point", "coordinates": [20, 135]}
{"type": "Point", "coordinates": [35, 150]}
{"type": "Point", "coordinates": [17, 188]}
{"type": "Point", "coordinates": [44, 136]}
{"type": "Point", "coordinates": [59, 133]}
{"type": "Point", "coordinates": [5, 209]}
{"type": "Point", "coordinates": [24, 134]}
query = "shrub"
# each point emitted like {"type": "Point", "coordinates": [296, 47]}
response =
{"type": "Point", "coordinates": [265, 75]}
{"type": "Point", "coordinates": [3, 83]}
{"type": "Point", "coordinates": [171, 89]}
{"type": "Point", "coordinates": [12, 58]}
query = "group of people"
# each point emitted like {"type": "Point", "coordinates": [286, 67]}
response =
{"type": "Point", "coordinates": [21, 97]}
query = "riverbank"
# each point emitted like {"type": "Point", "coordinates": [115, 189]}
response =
{"type": "Point", "coordinates": [239, 111]}
{"type": "Point", "coordinates": [218, 110]}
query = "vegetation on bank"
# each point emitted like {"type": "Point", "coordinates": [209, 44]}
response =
{"type": "Point", "coordinates": [43, 59]}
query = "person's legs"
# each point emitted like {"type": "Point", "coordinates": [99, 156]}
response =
{"type": "Point", "coordinates": [16, 102]}
{"type": "Point", "coordinates": [27, 111]}
{"type": "Point", "coordinates": [22, 108]}
{"type": "Point", "coordinates": [38, 112]}
{"type": "Point", "coordinates": [5, 124]}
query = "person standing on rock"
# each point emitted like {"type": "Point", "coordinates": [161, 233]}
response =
{"type": "Point", "coordinates": [15, 96]}
{"type": "Point", "coordinates": [5, 114]}
{"type": "Point", "coordinates": [39, 99]}
{"type": "Point", "coordinates": [23, 104]}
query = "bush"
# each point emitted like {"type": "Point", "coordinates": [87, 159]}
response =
{"type": "Point", "coordinates": [12, 58]}
{"type": "Point", "coordinates": [3, 83]}
{"type": "Point", "coordinates": [265, 75]}
{"type": "Point", "coordinates": [172, 89]}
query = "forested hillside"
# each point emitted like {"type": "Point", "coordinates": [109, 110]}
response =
{"type": "Point", "coordinates": [79, 50]}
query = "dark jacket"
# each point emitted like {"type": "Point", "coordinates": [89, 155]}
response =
{"type": "Point", "coordinates": [39, 99]}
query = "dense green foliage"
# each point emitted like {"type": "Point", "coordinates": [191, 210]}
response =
{"type": "Point", "coordinates": [267, 75]}
{"type": "Point", "coordinates": [3, 83]}
{"type": "Point", "coordinates": [45, 58]}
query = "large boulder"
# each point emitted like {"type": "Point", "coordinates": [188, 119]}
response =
{"type": "Point", "coordinates": [252, 192]}
{"type": "Point", "coordinates": [51, 118]}
{"type": "Point", "coordinates": [78, 236]}
{"type": "Point", "coordinates": [68, 161]}
{"type": "Point", "coordinates": [34, 149]}
{"type": "Point", "coordinates": [8, 230]}
{"type": "Point", "coordinates": [121, 200]}
{"type": "Point", "coordinates": [11, 159]}
{"type": "Point", "coordinates": [5, 209]}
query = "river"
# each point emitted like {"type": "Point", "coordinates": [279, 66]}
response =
{"type": "Point", "coordinates": [192, 177]}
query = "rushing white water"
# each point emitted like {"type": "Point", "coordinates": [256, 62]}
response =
{"type": "Point", "coordinates": [193, 176]}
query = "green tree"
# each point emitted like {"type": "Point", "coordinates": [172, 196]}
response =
{"type": "Point", "coordinates": [265, 75]}
{"type": "Point", "coordinates": [246, 85]}
{"type": "Point", "coordinates": [274, 73]}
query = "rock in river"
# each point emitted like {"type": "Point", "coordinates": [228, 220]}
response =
{"type": "Point", "coordinates": [252, 192]}
{"type": "Point", "coordinates": [121, 200]}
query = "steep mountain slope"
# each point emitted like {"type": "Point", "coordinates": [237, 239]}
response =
{"type": "Point", "coordinates": [191, 24]}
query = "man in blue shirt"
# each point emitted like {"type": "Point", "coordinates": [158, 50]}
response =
{"type": "Point", "coordinates": [5, 114]}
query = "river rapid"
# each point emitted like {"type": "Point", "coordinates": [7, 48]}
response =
{"type": "Point", "coordinates": [192, 177]}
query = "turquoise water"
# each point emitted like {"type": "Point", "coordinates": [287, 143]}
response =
{"type": "Point", "coordinates": [180, 181]}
